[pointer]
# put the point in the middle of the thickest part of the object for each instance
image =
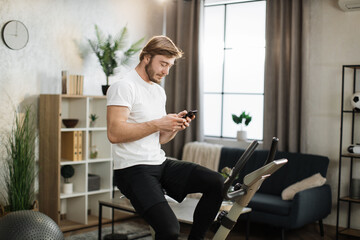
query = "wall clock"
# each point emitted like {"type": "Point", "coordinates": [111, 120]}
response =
{"type": "Point", "coordinates": [15, 35]}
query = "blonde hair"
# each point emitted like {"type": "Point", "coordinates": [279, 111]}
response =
{"type": "Point", "coordinates": [161, 45]}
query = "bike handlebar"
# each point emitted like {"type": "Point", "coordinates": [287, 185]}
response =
{"type": "Point", "coordinates": [240, 164]}
{"type": "Point", "coordinates": [271, 155]}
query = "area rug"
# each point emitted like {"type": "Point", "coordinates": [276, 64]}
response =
{"type": "Point", "coordinates": [133, 229]}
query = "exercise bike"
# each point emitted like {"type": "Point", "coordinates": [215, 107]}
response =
{"type": "Point", "coordinates": [242, 193]}
{"type": "Point", "coordinates": [251, 183]}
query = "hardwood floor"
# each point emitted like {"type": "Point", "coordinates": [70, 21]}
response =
{"type": "Point", "coordinates": [257, 232]}
{"type": "Point", "coordinates": [265, 232]}
{"type": "Point", "coordinates": [262, 232]}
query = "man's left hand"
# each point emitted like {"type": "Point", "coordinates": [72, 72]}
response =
{"type": "Point", "coordinates": [188, 119]}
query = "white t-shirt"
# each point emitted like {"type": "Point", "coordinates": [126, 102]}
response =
{"type": "Point", "coordinates": [146, 101]}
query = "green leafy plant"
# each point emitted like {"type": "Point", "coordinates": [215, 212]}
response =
{"type": "Point", "coordinates": [19, 168]}
{"type": "Point", "coordinates": [106, 47]}
{"type": "Point", "coordinates": [67, 171]}
{"type": "Point", "coordinates": [225, 172]}
{"type": "Point", "coordinates": [243, 119]}
{"type": "Point", "coordinates": [93, 117]}
{"type": "Point", "coordinates": [93, 152]}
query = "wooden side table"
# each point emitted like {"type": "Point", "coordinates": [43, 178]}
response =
{"type": "Point", "coordinates": [183, 211]}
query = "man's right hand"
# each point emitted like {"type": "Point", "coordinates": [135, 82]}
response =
{"type": "Point", "coordinates": [170, 123]}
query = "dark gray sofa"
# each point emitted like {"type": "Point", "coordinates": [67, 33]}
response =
{"type": "Point", "coordinates": [308, 206]}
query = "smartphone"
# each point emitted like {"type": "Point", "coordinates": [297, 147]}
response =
{"type": "Point", "coordinates": [190, 113]}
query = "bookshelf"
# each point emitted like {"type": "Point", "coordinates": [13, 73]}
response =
{"type": "Point", "coordinates": [79, 208]}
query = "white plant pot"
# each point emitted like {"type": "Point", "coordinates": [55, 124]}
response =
{"type": "Point", "coordinates": [241, 135]}
{"type": "Point", "coordinates": [67, 188]}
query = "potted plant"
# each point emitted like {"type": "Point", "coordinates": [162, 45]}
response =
{"type": "Point", "coordinates": [226, 172]}
{"type": "Point", "coordinates": [93, 118]}
{"type": "Point", "coordinates": [67, 171]}
{"type": "Point", "coordinates": [243, 119]}
{"type": "Point", "coordinates": [19, 173]}
{"type": "Point", "coordinates": [93, 152]}
{"type": "Point", "coordinates": [106, 49]}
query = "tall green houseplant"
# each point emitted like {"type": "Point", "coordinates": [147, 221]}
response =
{"type": "Point", "coordinates": [106, 48]}
{"type": "Point", "coordinates": [19, 169]}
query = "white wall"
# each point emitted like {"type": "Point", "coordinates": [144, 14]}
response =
{"type": "Point", "coordinates": [334, 40]}
{"type": "Point", "coordinates": [56, 28]}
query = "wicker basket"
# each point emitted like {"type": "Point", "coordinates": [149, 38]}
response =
{"type": "Point", "coordinates": [34, 207]}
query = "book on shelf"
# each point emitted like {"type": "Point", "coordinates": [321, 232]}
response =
{"type": "Point", "coordinates": [72, 84]}
{"type": "Point", "coordinates": [79, 145]}
{"type": "Point", "coordinates": [64, 80]}
{"type": "Point", "coordinates": [71, 145]}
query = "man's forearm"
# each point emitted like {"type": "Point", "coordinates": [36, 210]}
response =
{"type": "Point", "coordinates": [129, 132]}
{"type": "Point", "coordinates": [166, 137]}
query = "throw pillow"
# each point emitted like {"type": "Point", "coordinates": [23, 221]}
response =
{"type": "Point", "coordinates": [315, 180]}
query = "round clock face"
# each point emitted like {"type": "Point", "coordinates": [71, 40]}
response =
{"type": "Point", "coordinates": [15, 35]}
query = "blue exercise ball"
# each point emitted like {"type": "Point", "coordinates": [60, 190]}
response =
{"type": "Point", "coordinates": [28, 224]}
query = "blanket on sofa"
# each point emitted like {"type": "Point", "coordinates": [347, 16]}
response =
{"type": "Point", "coordinates": [202, 153]}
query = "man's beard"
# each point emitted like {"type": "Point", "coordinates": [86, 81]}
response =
{"type": "Point", "coordinates": [151, 73]}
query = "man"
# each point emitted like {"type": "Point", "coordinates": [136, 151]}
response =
{"type": "Point", "coordinates": [137, 125]}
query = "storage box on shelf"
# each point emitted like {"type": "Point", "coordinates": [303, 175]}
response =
{"type": "Point", "coordinates": [102, 170]}
{"type": "Point", "coordinates": [93, 182]}
{"type": "Point", "coordinates": [348, 162]}
{"type": "Point", "coordinates": [74, 208]}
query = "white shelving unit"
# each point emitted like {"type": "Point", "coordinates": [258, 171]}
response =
{"type": "Point", "coordinates": [81, 206]}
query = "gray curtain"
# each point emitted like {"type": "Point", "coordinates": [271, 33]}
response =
{"type": "Point", "coordinates": [182, 85]}
{"type": "Point", "coordinates": [285, 34]}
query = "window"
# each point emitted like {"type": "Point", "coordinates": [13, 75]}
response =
{"type": "Point", "coordinates": [234, 56]}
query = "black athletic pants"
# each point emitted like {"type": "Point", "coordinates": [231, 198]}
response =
{"type": "Point", "coordinates": [163, 220]}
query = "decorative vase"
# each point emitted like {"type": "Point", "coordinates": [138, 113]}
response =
{"type": "Point", "coordinates": [93, 152]}
{"type": "Point", "coordinates": [67, 188]}
{"type": "Point", "coordinates": [93, 155]}
{"type": "Point", "coordinates": [241, 135]}
{"type": "Point", "coordinates": [104, 89]}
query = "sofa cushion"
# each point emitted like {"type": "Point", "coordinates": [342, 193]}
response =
{"type": "Point", "coordinates": [315, 180]}
{"type": "Point", "coordinates": [299, 167]}
{"type": "Point", "coordinates": [270, 203]}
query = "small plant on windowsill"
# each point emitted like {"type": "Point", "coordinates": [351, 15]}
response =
{"type": "Point", "coordinates": [243, 120]}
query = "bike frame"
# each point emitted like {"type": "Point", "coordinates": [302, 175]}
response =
{"type": "Point", "coordinates": [251, 184]}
